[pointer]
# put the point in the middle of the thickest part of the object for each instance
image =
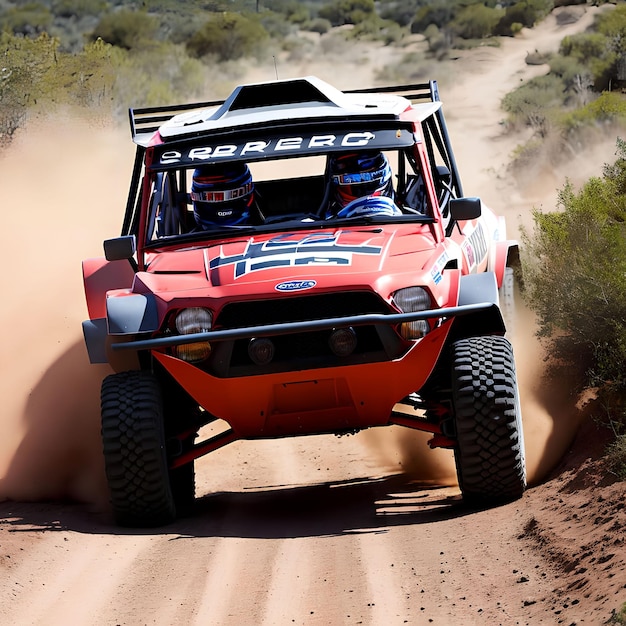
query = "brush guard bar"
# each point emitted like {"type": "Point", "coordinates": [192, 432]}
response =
{"type": "Point", "coordinates": [268, 330]}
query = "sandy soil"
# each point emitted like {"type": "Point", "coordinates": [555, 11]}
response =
{"type": "Point", "coordinates": [367, 529]}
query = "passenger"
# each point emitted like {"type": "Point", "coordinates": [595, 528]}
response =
{"type": "Point", "coordinates": [361, 184]}
{"type": "Point", "coordinates": [222, 195]}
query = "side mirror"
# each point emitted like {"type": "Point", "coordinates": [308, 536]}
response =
{"type": "Point", "coordinates": [120, 248]}
{"type": "Point", "coordinates": [465, 209]}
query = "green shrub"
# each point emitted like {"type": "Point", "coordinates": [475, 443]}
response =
{"type": "Point", "coordinates": [401, 12]}
{"type": "Point", "coordinates": [78, 8]}
{"type": "Point", "coordinates": [582, 46]}
{"type": "Point", "coordinates": [36, 76]}
{"type": "Point", "coordinates": [439, 41]}
{"type": "Point", "coordinates": [440, 13]}
{"type": "Point", "coordinates": [525, 13]}
{"type": "Point", "coordinates": [609, 106]}
{"type": "Point", "coordinates": [291, 10]}
{"type": "Point", "coordinates": [575, 280]}
{"type": "Point", "coordinates": [30, 18]}
{"type": "Point", "coordinates": [534, 103]}
{"type": "Point", "coordinates": [126, 29]}
{"type": "Point", "coordinates": [593, 51]}
{"type": "Point", "coordinates": [476, 21]}
{"type": "Point", "coordinates": [227, 36]}
{"type": "Point", "coordinates": [276, 26]}
{"type": "Point", "coordinates": [341, 12]}
{"type": "Point", "coordinates": [567, 69]}
{"type": "Point", "coordinates": [318, 25]}
{"type": "Point", "coordinates": [612, 24]}
{"type": "Point", "coordinates": [374, 28]}
{"type": "Point", "coordinates": [616, 461]}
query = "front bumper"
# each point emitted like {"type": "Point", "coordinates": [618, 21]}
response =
{"type": "Point", "coordinates": [309, 401]}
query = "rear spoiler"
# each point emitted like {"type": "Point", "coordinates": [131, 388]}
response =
{"type": "Point", "coordinates": [145, 121]}
{"type": "Point", "coordinates": [419, 91]}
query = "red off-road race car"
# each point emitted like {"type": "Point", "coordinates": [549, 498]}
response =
{"type": "Point", "coordinates": [300, 319]}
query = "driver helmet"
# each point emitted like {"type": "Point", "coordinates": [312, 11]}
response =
{"type": "Point", "coordinates": [358, 174]}
{"type": "Point", "coordinates": [222, 194]}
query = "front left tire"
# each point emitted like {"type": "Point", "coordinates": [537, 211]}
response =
{"type": "Point", "coordinates": [144, 492]}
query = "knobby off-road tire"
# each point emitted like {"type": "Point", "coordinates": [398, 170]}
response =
{"type": "Point", "coordinates": [136, 463]}
{"type": "Point", "coordinates": [489, 455]}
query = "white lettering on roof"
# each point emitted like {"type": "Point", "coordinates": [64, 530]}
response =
{"type": "Point", "coordinates": [357, 139]}
{"type": "Point", "coordinates": [205, 153]}
{"type": "Point", "coordinates": [172, 156]}
{"type": "Point", "coordinates": [225, 151]}
{"type": "Point", "coordinates": [199, 153]}
{"type": "Point", "coordinates": [255, 146]}
{"type": "Point", "coordinates": [288, 143]}
{"type": "Point", "coordinates": [322, 140]}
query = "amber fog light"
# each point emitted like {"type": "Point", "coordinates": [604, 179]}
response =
{"type": "Point", "coordinates": [414, 330]}
{"type": "Point", "coordinates": [193, 352]}
{"type": "Point", "coordinates": [261, 350]}
{"type": "Point", "coordinates": [342, 341]}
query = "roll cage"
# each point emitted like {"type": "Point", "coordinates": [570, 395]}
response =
{"type": "Point", "coordinates": [418, 135]}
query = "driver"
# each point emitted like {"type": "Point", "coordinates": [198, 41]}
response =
{"type": "Point", "coordinates": [222, 195]}
{"type": "Point", "coordinates": [361, 184]}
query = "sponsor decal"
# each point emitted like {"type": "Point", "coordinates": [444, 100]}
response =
{"type": "Point", "coordinates": [475, 247]}
{"type": "Point", "coordinates": [469, 254]}
{"type": "Point", "coordinates": [295, 285]}
{"type": "Point", "coordinates": [293, 250]}
{"type": "Point", "coordinates": [436, 272]}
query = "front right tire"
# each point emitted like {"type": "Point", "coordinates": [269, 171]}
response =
{"type": "Point", "coordinates": [489, 454]}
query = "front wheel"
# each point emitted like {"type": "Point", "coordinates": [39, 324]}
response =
{"type": "Point", "coordinates": [489, 453]}
{"type": "Point", "coordinates": [133, 438]}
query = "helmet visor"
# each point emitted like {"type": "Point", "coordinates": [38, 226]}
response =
{"type": "Point", "coordinates": [226, 195]}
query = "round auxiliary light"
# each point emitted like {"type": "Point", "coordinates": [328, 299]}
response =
{"type": "Point", "coordinates": [342, 341]}
{"type": "Point", "coordinates": [261, 350]}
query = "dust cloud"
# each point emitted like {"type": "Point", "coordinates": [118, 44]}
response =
{"type": "Point", "coordinates": [63, 185]}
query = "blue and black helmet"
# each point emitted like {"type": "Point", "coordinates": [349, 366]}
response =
{"type": "Point", "coordinates": [359, 174]}
{"type": "Point", "coordinates": [222, 194]}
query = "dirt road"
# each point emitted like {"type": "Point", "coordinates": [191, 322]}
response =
{"type": "Point", "coordinates": [367, 529]}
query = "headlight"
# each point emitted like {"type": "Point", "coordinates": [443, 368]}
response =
{"type": "Point", "coordinates": [189, 321]}
{"type": "Point", "coordinates": [194, 320]}
{"type": "Point", "coordinates": [412, 300]}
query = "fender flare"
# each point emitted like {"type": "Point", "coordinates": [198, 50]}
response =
{"type": "Point", "coordinates": [100, 276]}
{"type": "Point", "coordinates": [473, 289]}
{"type": "Point", "coordinates": [506, 255]}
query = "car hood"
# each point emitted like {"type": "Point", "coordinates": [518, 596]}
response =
{"type": "Point", "coordinates": [292, 261]}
